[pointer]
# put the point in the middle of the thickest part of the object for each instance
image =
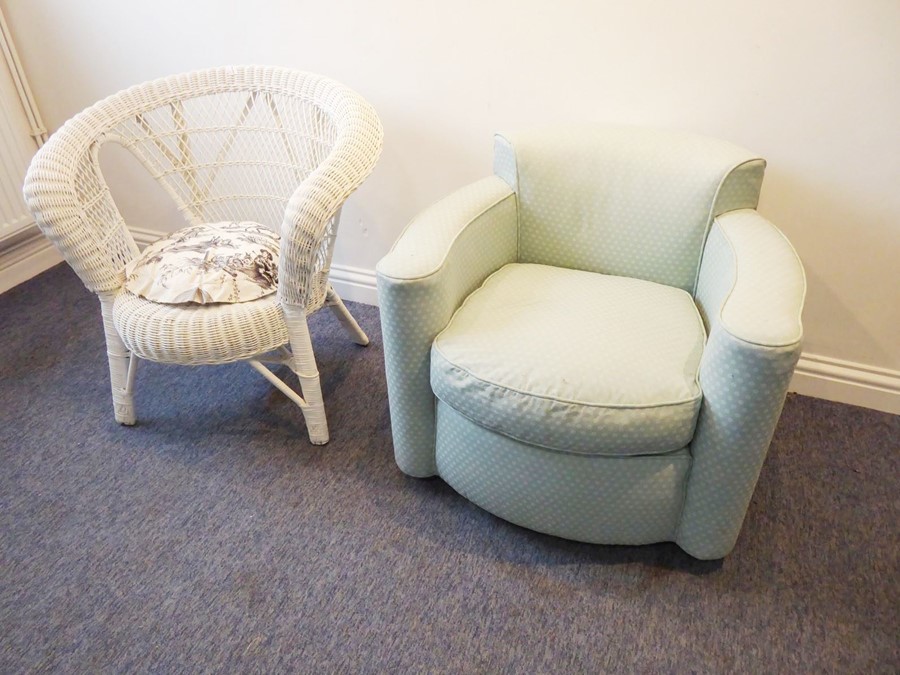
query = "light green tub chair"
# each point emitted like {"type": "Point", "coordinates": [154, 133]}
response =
{"type": "Point", "coordinates": [597, 341]}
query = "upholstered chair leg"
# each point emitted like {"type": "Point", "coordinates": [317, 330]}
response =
{"type": "Point", "coordinates": [304, 365]}
{"type": "Point", "coordinates": [122, 366]}
{"type": "Point", "coordinates": [333, 300]}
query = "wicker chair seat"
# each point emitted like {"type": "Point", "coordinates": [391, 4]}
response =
{"type": "Point", "coordinates": [199, 334]}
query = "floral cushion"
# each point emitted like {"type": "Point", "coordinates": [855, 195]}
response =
{"type": "Point", "coordinates": [212, 262]}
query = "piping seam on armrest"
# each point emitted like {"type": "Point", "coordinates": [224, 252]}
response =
{"type": "Point", "coordinates": [711, 217]}
{"type": "Point", "coordinates": [450, 244]}
{"type": "Point", "coordinates": [720, 315]}
{"type": "Point", "coordinates": [516, 195]}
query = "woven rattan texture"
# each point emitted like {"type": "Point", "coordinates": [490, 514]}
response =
{"type": "Point", "coordinates": [203, 334]}
{"type": "Point", "coordinates": [269, 145]}
{"type": "Point", "coordinates": [277, 146]}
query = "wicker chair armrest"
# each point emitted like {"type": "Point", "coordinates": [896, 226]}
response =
{"type": "Point", "coordinates": [443, 255]}
{"type": "Point", "coordinates": [304, 261]}
{"type": "Point", "coordinates": [93, 240]}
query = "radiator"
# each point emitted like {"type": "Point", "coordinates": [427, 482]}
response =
{"type": "Point", "coordinates": [21, 133]}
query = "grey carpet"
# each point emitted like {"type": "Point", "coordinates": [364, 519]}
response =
{"type": "Point", "coordinates": [213, 537]}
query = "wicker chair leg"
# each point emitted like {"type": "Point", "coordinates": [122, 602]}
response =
{"type": "Point", "coordinates": [304, 365]}
{"type": "Point", "coordinates": [122, 367]}
{"type": "Point", "coordinates": [333, 300]}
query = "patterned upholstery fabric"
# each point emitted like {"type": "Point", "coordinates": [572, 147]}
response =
{"type": "Point", "coordinates": [750, 292]}
{"type": "Point", "coordinates": [623, 201]}
{"type": "Point", "coordinates": [764, 296]}
{"type": "Point", "coordinates": [207, 263]}
{"type": "Point", "coordinates": [610, 201]}
{"type": "Point", "coordinates": [445, 253]}
{"type": "Point", "coordinates": [604, 500]}
{"type": "Point", "coordinates": [574, 361]}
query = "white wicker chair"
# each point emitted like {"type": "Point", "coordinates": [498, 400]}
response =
{"type": "Point", "coordinates": [270, 145]}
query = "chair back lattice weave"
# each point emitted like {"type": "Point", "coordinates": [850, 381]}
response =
{"type": "Point", "coordinates": [271, 145]}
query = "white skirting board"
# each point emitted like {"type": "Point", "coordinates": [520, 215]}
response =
{"type": "Point", "coordinates": [848, 382]}
{"type": "Point", "coordinates": [25, 260]}
{"type": "Point", "coordinates": [816, 375]}
{"type": "Point", "coordinates": [354, 283]}
{"type": "Point", "coordinates": [142, 236]}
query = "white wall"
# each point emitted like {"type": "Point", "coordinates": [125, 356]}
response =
{"type": "Point", "coordinates": [812, 85]}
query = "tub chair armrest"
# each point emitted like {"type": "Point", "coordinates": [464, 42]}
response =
{"type": "Point", "coordinates": [444, 254]}
{"type": "Point", "coordinates": [750, 292]}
